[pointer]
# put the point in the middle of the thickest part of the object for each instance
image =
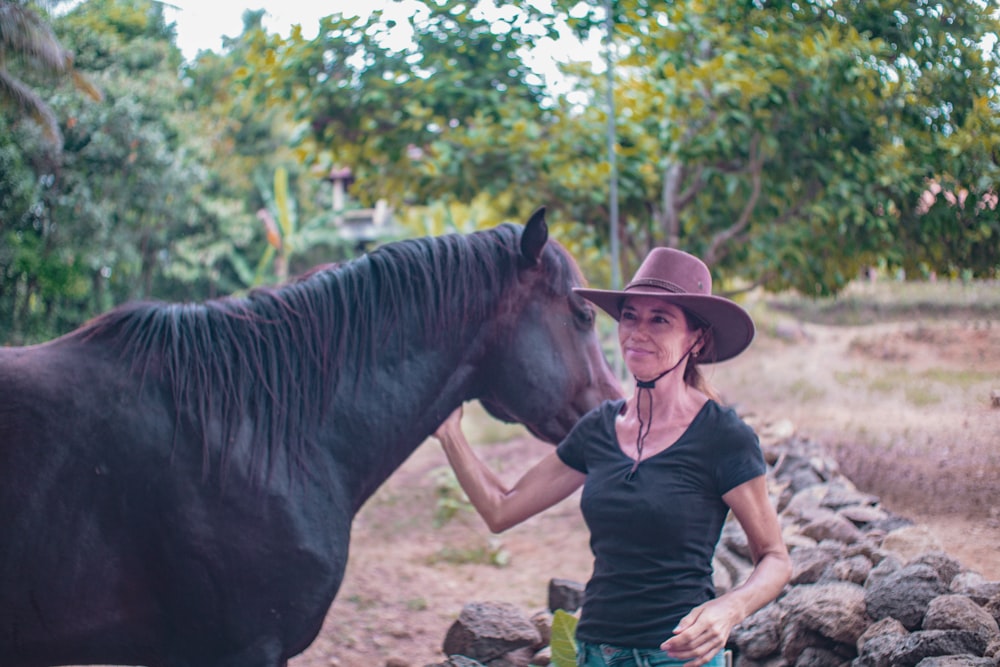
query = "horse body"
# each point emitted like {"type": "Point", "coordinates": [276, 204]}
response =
{"type": "Point", "coordinates": [177, 483]}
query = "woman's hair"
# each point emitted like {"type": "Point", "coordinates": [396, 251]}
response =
{"type": "Point", "coordinates": [692, 372]}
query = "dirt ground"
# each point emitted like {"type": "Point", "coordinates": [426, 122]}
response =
{"type": "Point", "coordinates": [904, 408]}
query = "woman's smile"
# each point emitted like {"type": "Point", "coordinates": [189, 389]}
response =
{"type": "Point", "coordinates": [639, 353]}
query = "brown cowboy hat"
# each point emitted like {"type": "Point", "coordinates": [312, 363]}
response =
{"type": "Point", "coordinates": [682, 279]}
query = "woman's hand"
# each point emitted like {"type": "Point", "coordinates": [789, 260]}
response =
{"type": "Point", "coordinates": [502, 506]}
{"type": "Point", "coordinates": [702, 633]}
{"type": "Point", "coordinates": [705, 631]}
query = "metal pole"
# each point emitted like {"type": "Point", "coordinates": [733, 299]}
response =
{"type": "Point", "coordinates": [612, 140]}
{"type": "Point", "coordinates": [609, 21]}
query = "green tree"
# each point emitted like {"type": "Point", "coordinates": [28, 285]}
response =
{"type": "Point", "coordinates": [28, 44]}
{"type": "Point", "coordinates": [792, 142]}
{"type": "Point", "coordinates": [241, 141]}
{"type": "Point", "coordinates": [104, 211]}
{"type": "Point", "coordinates": [380, 109]}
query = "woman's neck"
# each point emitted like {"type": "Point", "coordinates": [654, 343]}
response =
{"type": "Point", "coordinates": [671, 397]}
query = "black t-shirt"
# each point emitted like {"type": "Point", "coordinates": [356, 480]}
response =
{"type": "Point", "coordinates": [653, 537]}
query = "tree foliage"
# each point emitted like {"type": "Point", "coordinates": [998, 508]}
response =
{"type": "Point", "coordinates": [386, 110]}
{"type": "Point", "coordinates": [27, 43]}
{"type": "Point", "coordinates": [788, 143]}
{"type": "Point", "coordinates": [105, 204]}
{"type": "Point", "coordinates": [792, 141]}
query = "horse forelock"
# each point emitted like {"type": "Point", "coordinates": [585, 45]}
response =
{"type": "Point", "coordinates": [276, 355]}
{"type": "Point", "coordinates": [568, 273]}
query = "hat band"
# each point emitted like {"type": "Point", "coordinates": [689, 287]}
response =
{"type": "Point", "coordinates": [656, 282]}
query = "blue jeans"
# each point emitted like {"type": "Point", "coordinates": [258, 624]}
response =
{"type": "Point", "coordinates": [606, 655]}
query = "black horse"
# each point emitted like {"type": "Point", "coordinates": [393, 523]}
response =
{"type": "Point", "coordinates": [178, 481]}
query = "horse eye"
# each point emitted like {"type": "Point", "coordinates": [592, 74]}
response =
{"type": "Point", "coordinates": [585, 317]}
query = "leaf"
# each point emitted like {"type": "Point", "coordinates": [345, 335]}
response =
{"type": "Point", "coordinates": [281, 201]}
{"type": "Point", "coordinates": [563, 642]}
{"type": "Point", "coordinates": [262, 274]}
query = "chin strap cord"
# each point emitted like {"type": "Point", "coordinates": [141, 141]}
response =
{"type": "Point", "coordinates": [647, 385]}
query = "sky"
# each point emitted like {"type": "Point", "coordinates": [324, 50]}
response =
{"type": "Point", "coordinates": [201, 24]}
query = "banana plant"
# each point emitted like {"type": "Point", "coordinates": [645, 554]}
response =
{"type": "Point", "coordinates": [286, 238]}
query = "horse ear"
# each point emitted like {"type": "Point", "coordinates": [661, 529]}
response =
{"type": "Point", "coordinates": [534, 237]}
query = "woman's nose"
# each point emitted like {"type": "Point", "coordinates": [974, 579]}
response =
{"type": "Point", "coordinates": [640, 329]}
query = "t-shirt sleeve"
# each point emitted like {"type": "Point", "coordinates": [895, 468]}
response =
{"type": "Point", "coordinates": [740, 458]}
{"type": "Point", "coordinates": [572, 450]}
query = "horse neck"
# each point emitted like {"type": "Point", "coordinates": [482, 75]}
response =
{"type": "Point", "coordinates": [394, 406]}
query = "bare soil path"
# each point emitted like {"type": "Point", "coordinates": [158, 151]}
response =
{"type": "Point", "coordinates": [904, 408]}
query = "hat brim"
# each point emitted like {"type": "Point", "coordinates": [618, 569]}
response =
{"type": "Point", "coordinates": [732, 327]}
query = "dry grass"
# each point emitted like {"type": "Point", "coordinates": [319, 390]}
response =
{"type": "Point", "coordinates": [902, 400]}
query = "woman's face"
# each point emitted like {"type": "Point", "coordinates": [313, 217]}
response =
{"type": "Point", "coordinates": [653, 335]}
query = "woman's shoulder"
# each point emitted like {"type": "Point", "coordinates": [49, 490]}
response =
{"type": "Point", "coordinates": [599, 417]}
{"type": "Point", "coordinates": [604, 413]}
{"type": "Point", "coordinates": [726, 420]}
{"type": "Point", "coordinates": [594, 430]}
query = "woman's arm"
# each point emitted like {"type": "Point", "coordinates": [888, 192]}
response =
{"type": "Point", "coordinates": [546, 483]}
{"type": "Point", "coordinates": [704, 632]}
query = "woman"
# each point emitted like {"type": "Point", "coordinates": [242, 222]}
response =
{"type": "Point", "coordinates": [660, 472]}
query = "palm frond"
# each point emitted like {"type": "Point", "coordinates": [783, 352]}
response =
{"type": "Point", "coordinates": [25, 36]}
{"type": "Point", "coordinates": [29, 103]}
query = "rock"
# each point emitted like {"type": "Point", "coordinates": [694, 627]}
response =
{"type": "Point", "coordinates": [842, 494]}
{"type": "Point", "coordinates": [796, 638]}
{"type": "Point", "coordinates": [946, 566]}
{"type": "Point", "coordinates": [835, 611]}
{"type": "Point", "coordinates": [911, 541]}
{"type": "Point", "coordinates": [458, 661]}
{"type": "Point", "coordinates": [904, 595]}
{"type": "Point", "coordinates": [993, 650]}
{"type": "Point", "coordinates": [819, 657]}
{"type": "Point", "coordinates": [832, 526]}
{"type": "Point", "coordinates": [863, 516]}
{"type": "Point", "coordinates": [734, 539]}
{"type": "Point", "coordinates": [542, 658]}
{"type": "Point", "coordinates": [878, 651]}
{"type": "Point", "coordinates": [736, 569]}
{"type": "Point", "coordinates": [543, 623]}
{"type": "Point", "coordinates": [776, 432]}
{"type": "Point", "coordinates": [565, 594]}
{"type": "Point", "coordinates": [798, 472]}
{"type": "Point", "coordinates": [887, 626]}
{"type": "Point", "coordinates": [993, 607]}
{"type": "Point", "coordinates": [956, 661]}
{"type": "Point", "coordinates": [520, 657]}
{"type": "Point", "coordinates": [868, 549]}
{"type": "Point", "coordinates": [854, 569]}
{"type": "Point", "coordinates": [893, 522]}
{"type": "Point", "coordinates": [809, 564]}
{"type": "Point", "coordinates": [496, 634]}
{"type": "Point", "coordinates": [917, 646]}
{"type": "Point", "coordinates": [975, 586]}
{"type": "Point", "coordinates": [797, 503]}
{"type": "Point", "coordinates": [759, 635]}
{"type": "Point", "coordinates": [892, 650]}
{"type": "Point", "coordinates": [721, 577]}
{"type": "Point", "coordinates": [886, 567]}
{"type": "Point", "coordinates": [958, 612]}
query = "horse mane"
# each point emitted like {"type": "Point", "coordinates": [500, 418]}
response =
{"type": "Point", "coordinates": [274, 356]}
